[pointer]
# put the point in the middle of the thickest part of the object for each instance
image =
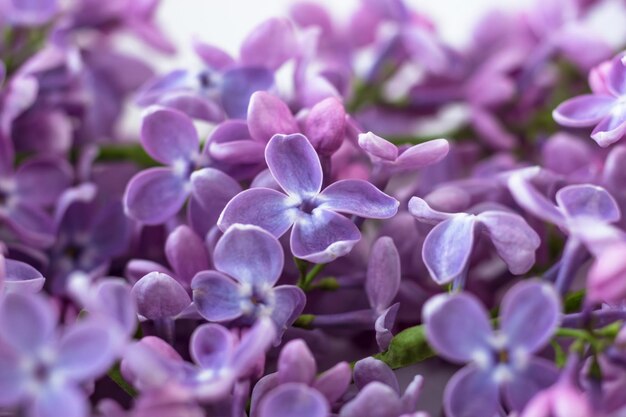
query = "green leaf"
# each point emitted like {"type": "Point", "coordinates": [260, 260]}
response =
{"type": "Point", "coordinates": [407, 348]}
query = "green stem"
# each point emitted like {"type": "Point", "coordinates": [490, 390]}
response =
{"type": "Point", "coordinates": [116, 375]}
{"type": "Point", "coordinates": [305, 283]}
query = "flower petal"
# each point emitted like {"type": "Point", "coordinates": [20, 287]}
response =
{"type": "Point", "coordinates": [21, 277]}
{"type": "Point", "coordinates": [186, 254]}
{"type": "Point", "coordinates": [378, 147]}
{"type": "Point", "coordinates": [211, 346]}
{"type": "Point", "coordinates": [423, 154]}
{"type": "Point", "coordinates": [40, 181]}
{"type": "Point", "coordinates": [294, 400]}
{"type": "Point", "coordinates": [420, 209]}
{"type": "Point", "coordinates": [539, 374]}
{"type": "Point", "coordinates": [530, 312]}
{"type": "Point", "coordinates": [250, 255]}
{"type": "Point", "coordinates": [13, 381]}
{"type": "Point", "coordinates": [370, 370]}
{"type": "Point", "coordinates": [531, 200]}
{"type": "Point", "coordinates": [610, 129]}
{"type": "Point", "coordinates": [296, 363]}
{"type": "Point", "coordinates": [294, 164]}
{"type": "Point", "coordinates": [323, 236]}
{"type": "Point", "coordinates": [383, 274]}
{"type": "Point", "coordinates": [159, 296]}
{"type": "Point", "coordinates": [253, 345]}
{"type": "Point", "coordinates": [269, 115]}
{"type": "Point", "coordinates": [155, 195]}
{"type": "Point", "coordinates": [588, 200]}
{"type": "Point", "coordinates": [213, 189]}
{"type": "Point", "coordinates": [57, 400]}
{"type": "Point", "coordinates": [585, 110]}
{"type": "Point", "coordinates": [216, 296]}
{"type": "Point", "coordinates": [515, 241]}
{"type": "Point", "coordinates": [325, 125]}
{"type": "Point", "coordinates": [334, 382]}
{"type": "Point", "coordinates": [358, 197]}
{"type": "Point", "coordinates": [239, 84]}
{"type": "Point", "coordinates": [448, 247]}
{"type": "Point", "coordinates": [471, 393]}
{"type": "Point", "coordinates": [263, 207]}
{"type": "Point", "coordinates": [169, 136]}
{"type": "Point", "coordinates": [616, 77]}
{"type": "Point", "coordinates": [289, 302]}
{"type": "Point", "coordinates": [457, 326]}
{"type": "Point", "coordinates": [374, 400]}
{"type": "Point", "coordinates": [269, 44]}
{"type": "Point", "coordinates": [27, 322]}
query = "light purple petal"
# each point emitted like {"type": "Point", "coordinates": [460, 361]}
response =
{"type": "Point", "coordinates": [269, 44]}
{"type": "Point", "coordinates": [358, 197]}
{"type": "Point", "coordinates": [384, 325]}
{"type": "Point", "coordinates": [213, 190]}
{"type": "Point", "coordinates": [378, 147]}
{"type": "Point", "coordinates": [294, 400]}
{"type": "Point", "coordinates": [471, 393]}
{"type": "Point", "coordinates": [250, 255]}
{"type": "Point", "coordinates": [412, 394]}
{"type": "Point", "coordinates": [159, 296]}
{"type": "Point", "coordinates": [383, 274]}
{"type": "Point", "coordinates": [13, 380]}
{"type": "Point", "coordinates": [289, 302]}
{"type": "Point", "coordinates": [588, 200]}
{"type": "Point", "coordinates": [539, 374]}
{"type": "Point", "coordinates": [137, 268]}
{"type": "Point", "coordinates": [457, 326]}
{"type": "Point", "coordinates": [21, 277]}
{"type": "Point", "coordinates": [531, 200]}
{"type": "Point", "coordinates": [530, 312]}
{"type": "Point", "coordinates": [375, 400]}
{"type": "Point", "coordinates": [334, 382]}
{"type": "Point", "coordinates": [325, 125]}
{"type": "Point", "coordinates": [253, 345]}
{"type": "Point", "coordinates": [239, 84]}
{"type": "Point", "coordinates": [216, 296]}
{"type": "Point", "coordinates": [515, 241]}
{"type": "Point", "coordinates": [211, 55]}
{"type": "Point", "coordinates": [58, 400]}
{"type": "Point", "coordinates": [369, 370]}
{"type": "Point", "coordinates": [86, 351]}
{"type": "Point", "coordinates": [115, 302]}
{"type": "Point", "coordinates": [447, 248]}
{"type": "Point", "coordinates": [585, 110]}
{"type": "Point", "coordinates": [610, 129]}
{"type": "Point", "coordinates": [186, 253]}
{"type": "Point", "coordinates": [40, 181]}
{"type": "Point", "coordinates": [32, 225]}
{"type": "Point", "coordinates": [155, 195]}
{"type": "Point", "coordinates": [296, 363]}
{"type": "Point", "coordinates": [27, 322]}
{"type": "Point", "coordinates": [269, 115]}
{"type": "Point", "coordinates": [295, 165]}
{"type": "Point", "coordinates": [425, 214]}
{"type": "Point", "coordinates": [616, 77]}
{"type": "Point", "coordinates": [30, 13]}
{"type": "Point", "coordinates": [169, 136]}
{"type": "Point", "coordinates": [423, 154]}
{"type": "Point", "coordinates": [263, 207]}
{"type": "Point", "coordinates": [323, 236]}
{"type": "Point", "coordinates": [211, 346]}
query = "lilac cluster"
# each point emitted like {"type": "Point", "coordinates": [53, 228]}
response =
{"type": "Point", "coordinates": [288, 234]}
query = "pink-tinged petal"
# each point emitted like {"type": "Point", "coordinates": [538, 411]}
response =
{"type": "Point", "coordinates": [530, 312]}
{"type": "Point", "coordinates": [296, 363]}
{"type": "Point", "coordinates": [588, 200]}
{"type": "Point", "coordinates": [269, 44]}
{"type": "Point", "coordinates": [155, 195]}
{"type": "Point", "coordinates": [253, 345]}
{"type": "Point", "coordinates": [213, 190]}
{"type": "Point", "coordinates": [21, 277]}
{"type": "Point", "coordinates": [289, 302]}
{"type": "Point", "coordinates": [606, 282]}
{"type": "Point", "coordinates": [211, 55]}
{"type": "Point", "coordinates": [40, 181]}
{"type": "Point", "coordinates": [13, 381]}
{"type": "Point", "coordinates": [425, 214]}
{"type": "Point", "coordinates": [585, 110]}
{"type": "Point", "coordinates": [471, 393]}
{"type": "Point", "coordinates": [447, 248]}
{"type": "Point", "coordinates": [515, 241]}
{"type": "Point", "coordinates": [250, 255]}
{"type": "Point", "coordinates": [538, 375]}
{"type": "Point", "coordinates": [370, 370]}
{"type": "Point", "coordinates": [596, 236]}
{"type": "Point", "coordinates": [238, 85]}
{"type": "Point", "coordinates": [186, 253]}
{"type": "Point", "coordinates": [323, 236]}
{"type": "Point", "coordinates": [375, 400]}
{"type": "Point", "coordinates": [325, 125]}
{"type": "Point", "coordinates": [616, 77]}
{"type": "Point", "coordinates": [269, 115]}
{"type": "Point", "coordinates": [378, 147]}
{"type": "Point", "coordinates": [424, 154]}
{"type": "Point", "coordinates": [610, 129]}
{"type": "Point", "coordinates": [334, 382]}
{"type": "Point", "coordinates": [294, 164]}
{"type": "Point", "coordinates": [194, 106]}
{"type": "Point", "coordinates": [56, 400]}
{"type": "Point", "coordinates": [457, 327]}
{"type": "Point", "coordinates": [159, 296]}
{"type": "Point", "coordinates": [294, 400]}
{"type": "Point", "coordinates": [86, 351]}
{"type": "Point", "coordinates": [358, 197]}
{"type": "Point", "coordinates": [383, 274]}
{"type": "Point", "coordinates": [169, 136]}
{"type": "Point", "coordinates": [27, 322]}
{"type": "Point", "coordinates": [216, 296]}
{"type": "Point", "coordinates": [211, 346]}
{"type": "Point", "coordinates": [260, 390]}
{"type": "Point", "coordinates": [263, 207]}
{"type": "Point", "coordinates": [492, 131]}
{"type": "Point", "coordinates": [614, 175]}
{"type": "Point", "coordinates": [531, 200]}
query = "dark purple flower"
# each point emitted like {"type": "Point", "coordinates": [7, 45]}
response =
{"type": "Point", "coordinates": [500, 361]}
{"type": "Point", "coordinates": [319, 233]}
{"type": "Point", "coordinates": [248, 262]}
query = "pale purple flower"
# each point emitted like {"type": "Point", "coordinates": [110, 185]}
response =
{"type": "Point", "coordinates": [319, 233]}
{"type": "Point", "coordinates": [29, 13]}
{"type": "Point", "coordinates": [448, 246]}
{"type": "Point", "coordinates": [160, 297]}
{"type": "Point", "coordinates": [43, 368]}
{"type": "Point", "coordinates": [500, 362]}
{"type": "Point", "coordinates": [606, 110]}
{"type": "Point", "coordinates": [16, 276]}
{"type": "Point", "coordinates": [248, 262]}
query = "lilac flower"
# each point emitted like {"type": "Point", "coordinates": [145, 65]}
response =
{"type": "Point", "coordinates": [295, 390]}
{"type": "Point", "coordinates": [221, 359]}
{"type": "Point", "coordinates": [155, 195]}
{"type": "Point", "coordinates": [604, 109]}
{"type": "Point", "coordinates": [605, 282]}
{"type": "Point", "coordinates": [448, 246]}
{"type": "Point", "coordinates": [29, 13]}
{"type": "Point", "coordinates": [248, 262]}
{"type": "Point", "coordinates": [43, 370]}
{"type": "Point", "coordinates": [160, 297]}
{"type": "Point", "coordinates": [20, 277]}
{"type": "Point", "coordinates": [319, 234]}
{"type": "Point", "coordinates": [379, 393]}
{"type": "Point", "coordinates": [500, 361]}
